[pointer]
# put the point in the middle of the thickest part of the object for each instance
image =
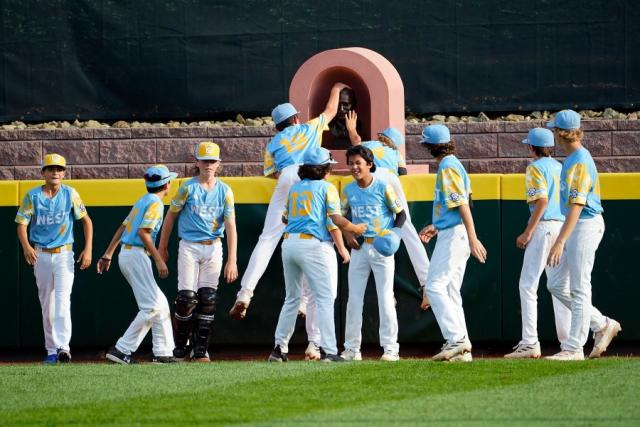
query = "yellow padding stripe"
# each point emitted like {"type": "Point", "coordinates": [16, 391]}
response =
{"type": "Point", "coordinates": [251, 190]}
{"type": "Point", "coordinates": [9, 193]}
{"type": "Point", "coordinates": [512, 187]}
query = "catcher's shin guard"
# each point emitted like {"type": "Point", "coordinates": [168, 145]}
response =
{"type": "Point", "coordinates": [186, 302]}
{"type": "Point", "coordinates": [204, 321]}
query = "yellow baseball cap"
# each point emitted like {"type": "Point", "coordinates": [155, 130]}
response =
{"type": "Point", "coordinates": [54, 160]}
{"type": "Point", "coordinates": [207, 150]}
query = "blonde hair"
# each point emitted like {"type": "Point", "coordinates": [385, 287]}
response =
{"type": "Point", "coordinates": [386, 141]}
{"type": "Point", "coordinates": [569, 136]}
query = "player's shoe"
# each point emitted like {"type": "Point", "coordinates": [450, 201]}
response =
{"type": "Point", "coordinates": [181, 353]}
{"type": "Point", "coordinates": [51, 359]}
{"type": "Point", "coordinates": [239, 310]}
{"type": "Point", "coordinates": [351, 355]}
{"type": "Point", "coordinates": [325, 357]}
{"type": "Point", "coordinates": [117, 356]}
{"type": "Point", "coordinates": [200, 358]}
{"type": "Point", "coordinates": [277, 355]}
{"type": "Point", "coordinates": [525, 351]}
{"type": "Point", "coordinates": [64, 356]}
{"type": "Point", "coordinates": [452, 349]}
{"type": "Point", "coordinates": [463, 357]}
{"type": "Point", "coordinates": [164, 359]}
{"type": "Point", "coordinates": [390, 356]}
{"type": "Point", "coordinates": [312, 352]}
{"type": "Point", "coordinates": [603, 338]}
{"type": "Point", "coordinates": [565, 355]}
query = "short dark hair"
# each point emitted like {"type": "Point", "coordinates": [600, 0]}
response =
{"type": "Point", "coordinates": [364, 152]}
{"type": "Point", "coordinates": [441, 150]}
{"type": "Point", "coordinates": [154, 178]}
{"type": "Point", "coordinates": [541, 151]}
{"type": "Point", "coordinates": [314, 172]}
{"type": "Point", "coordinates": [285, 123]}
{"type": "Point", "coordinates": [154, 190]}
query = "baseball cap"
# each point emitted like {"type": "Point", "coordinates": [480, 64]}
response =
{"type": "Point", "coordinates": [394, 135]}
{"type": "Point", "coordinates": [158, 175]}
{"type": "Point", "coordinates": [539, 137]}
{"type": "Point", "coordinates": [54, 160]}
{"type": "Point", "coordinates": [318, 156]}
{"type": "Point", "coordinates": [388, 242]}
{"type": "Point", "coordinates": [282, 112]}
{"type": "Point", "coordinates": [435, 134]}
{"type": "Point", "coordinates": [565, 119]}
{"type": "Point", "coordinates": [207, 150]}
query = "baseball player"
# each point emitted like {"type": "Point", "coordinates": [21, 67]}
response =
{"type": "Point", "coordinates": [312, 207]}
{"type": "Point", "coordinates": [457, 240]}
{"type": "Point", "coordinates": [138, 234]}
{"type": "Point", "coordinates": [205, 208]}
{"type": "Point", "coordinates": [283, 155]}
{"type": "Point", "coordinates": [389, 164]}
{"type": "Point", "coordinates": [579, 237]}
{"type": "Point", "coordinates": [375, 204]}
{"type": "Point", "coordinates": [47, 212]}
{"type": "Point", "coordinates": [542, 180]}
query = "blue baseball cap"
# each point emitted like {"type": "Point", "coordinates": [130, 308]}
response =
{"type": "Point", "coordinates": [388, 242]}
{"type": "Point", "coordinates": [158, 175]}
{"type": "Point", "coordinates": [565, 119]}
{"type": "Point", "coordinates": [539, 137]}
{"type": "Point", "coordinates": [282, 112]}
{"type": "Point", "coordinates": [435, 134]}
{"type": "Point", "coordinates": [394, 135]}
{"type": "Point", "coordinates": [318, 156]}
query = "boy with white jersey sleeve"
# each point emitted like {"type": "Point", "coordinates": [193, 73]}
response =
{"type": "Point", "coordinates": [457, 240]}
{"type": "Point", "coordinates": [138, 234]}
{"type": "Point", "coordinates": [205, 208]}
{"type": "Point", "coordinates": [389, 165]}
{"type": "Point", "coordinates": [579, 239]}
{"type": "Point", "coordinates": [283, 154]}
{"type": "Point", "coordinates": [48, 211]}
{"type": "Point", "coordinates": [313, 205]}
{"type": "Point", "coordinates": [373, 203]}
{"type": "Point", "coordinates": [542, 181]}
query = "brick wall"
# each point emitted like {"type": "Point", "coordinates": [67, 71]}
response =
{"type": "Point", "coordinates": [485, 147]}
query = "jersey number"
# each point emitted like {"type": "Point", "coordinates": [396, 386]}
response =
{"type": "Point", "coordinates": [304, 209]}
{"type": "Point", "coordinates": [297, 143]}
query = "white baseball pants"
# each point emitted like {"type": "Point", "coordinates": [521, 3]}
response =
{"type": "Point", "coordinates": [308, 305]}
{"type": "Point", "coordinates": [54, 277]}
{"type": "Point", "coordinates": [448, 263]}
{"type": "Point", "coordinates": [533, 264]}
{"type": "Point", "coordinates": [270, 236]}
{"type": "Point", "coordinates": [316, 261]}
{"type": "Point", "coordinates": [415, 248]}
{"type": "Point", "coordinates": [363, 261]}
{"type": "Point", "coordinates": [135, 266]}
{"type": "Point", "coordinates": [199, 265]}
{"type": "Point", "coordinates": [580, 252]}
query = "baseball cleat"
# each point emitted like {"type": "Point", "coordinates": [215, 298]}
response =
{"type": "Point", "coordinates": [525, 351]}
{"type": "Point", "coordinates": [463, 357]}
{"type": "Point", "coordinates": [51, 359]}
{"type": "Point", "coordinates": [603, 338]}
{"type": "Point", "coordinates": [200, 358]}
{"type": "Point", "coordinates": [452, 349]}
{"type": "Point", "coordinates": [63, 356]}
{"type": "Point", "coordinates": [277, 355]}
{"type": "Point", "coordinates": [181, 353]}
{"type": "Point", "coordinates": [331, 358]}
{"type": "Point", "coordinates": [239, 310]}
{"type": "Point", "coordinates": [117, 356]}
{"type": "Point", "coordinates": [351, 355]}
{"type": "Point", "coordinates": [164, 359]}
{"type": "Point", "coordinates": [312, 352]}
{"type": "Point", "coordinates": [565, 355]}
{"type": "Point", "coordinates": [390, 356]}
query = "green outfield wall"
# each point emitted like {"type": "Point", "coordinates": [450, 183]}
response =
{"type": "Point", "coordinates": [103, 306]}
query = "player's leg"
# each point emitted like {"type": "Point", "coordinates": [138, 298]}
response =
{"type": "Point", "coordinates": [557, 277]}
{"type": "Point", "coordinates": [383, 271]}
{"type": "Point", "coordinates": [63, 274]}
{"type": "Point", "coordinates": [186, 299]}
{"type": "Point", "coordinates": [358, 276]}
{"type": "Point", "coordinates": [311, 321]}
{"type": "Point", "coordinates": [43, 272]}
{"type": "Point", "coordinates": [161, 329]}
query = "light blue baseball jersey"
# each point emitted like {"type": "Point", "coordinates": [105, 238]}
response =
{"type": "Point", "coordinates": [146, 213]}
{"type": "Point", "coordinates": [287, 147]}
{"type": "Point", "coordinates": [542, 181]}
{"type": "Point", "coordinates": [202, 212]}
{"type": "Point", "coordinates": [51, 217]}
{"type": "Point", "coordinates": [385, 156]}
{"type": "Point", "coordinates": [453, 189]}
{"type": "Point", "coordinates": [374, 205]}
{"type": "Point", "coordinates": [308, 207]}
{"type": "Point", "coordinates": [579, 184]}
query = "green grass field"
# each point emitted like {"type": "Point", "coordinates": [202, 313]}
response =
{"type": "Point", "coordinates": [483, 393]}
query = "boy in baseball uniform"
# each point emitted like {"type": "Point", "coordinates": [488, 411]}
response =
{"type": "Point", "coordinates": [136, 236]}
{"type": "Point", "coordinates": [312, 210]}
{"type": "Point", "coordinates": [457, 240]}
{"type": "Point", "coordinates": [205, 209]}
{"type": "Point", "coordinates": [48, 211]}
{"type": "Point", "coordinates": [373, 203]}
{"type": "Point", "coordinates": [578, 240]}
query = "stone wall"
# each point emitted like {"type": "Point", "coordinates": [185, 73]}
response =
{"type": "Point", "coordinates": [484, 147]}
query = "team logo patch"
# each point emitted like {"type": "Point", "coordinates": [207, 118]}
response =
{"type": "Point", "coordinates": [455, 197]}
{"type": "Point", "coordinates": [531, 192]}
{"type": "Point", "coordinates": [397, 203]}
{"type": "Point", "coordinates": [573, 193]}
